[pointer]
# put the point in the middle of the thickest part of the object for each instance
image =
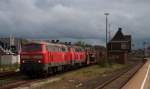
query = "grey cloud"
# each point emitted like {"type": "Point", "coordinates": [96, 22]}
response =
{"type": "Point", "coordinates": [73, 19]}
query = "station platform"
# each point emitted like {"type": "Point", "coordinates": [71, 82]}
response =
{"type": "Point", "coordinates": [141, 80]}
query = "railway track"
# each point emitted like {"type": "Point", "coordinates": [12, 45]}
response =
{"type": "Point", "coordinates": [24, 80]}
{"type": "Point", "coordinates": [13, 85]}
{"type": "Point", "coordinates": [119, 80]}
{"type": "Point", "coordinates": [10, 80]}
{"type": "Point", "coordinates": [9, 74]}
{"type": "Point", "coordinates": [105, 85]}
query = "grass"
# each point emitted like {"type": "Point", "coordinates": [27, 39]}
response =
{"type": "Point", "coordinates": [71, 80]}
{"type": "Point", "coordinates": [7, 68]}
{"type": "Point", "coordinates": [91, 71]}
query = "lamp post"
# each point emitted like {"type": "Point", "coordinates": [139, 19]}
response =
{"type": "Point", "coordinates": [106, 14]}
{"type": "Point", "coordinates": [144, 49]}
{"type": "Point", "coordinates": [109, 36]}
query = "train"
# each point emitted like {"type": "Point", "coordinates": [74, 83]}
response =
{"type": "Point", "coordinates": [38, 58]}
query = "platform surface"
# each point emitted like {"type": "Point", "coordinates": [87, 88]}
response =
{"type": "Point", "coordinates": [141, 80]}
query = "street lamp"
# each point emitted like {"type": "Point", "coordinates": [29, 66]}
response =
{"type": "Point", "coordinates": [106, 14]}
{"type": "Point", "coordinates": [144, 49]}
{"type": "Point", "coordinates": [109, 36]}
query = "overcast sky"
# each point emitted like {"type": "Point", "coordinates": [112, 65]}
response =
{"type": "Point", "coordinates": [74, 19]}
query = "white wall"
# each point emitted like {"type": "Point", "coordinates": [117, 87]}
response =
{"type": "Point", "coordinates": [9, 59]}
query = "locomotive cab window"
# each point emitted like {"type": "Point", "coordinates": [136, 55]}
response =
{"type": "Point", "coordinates": [32, 47]}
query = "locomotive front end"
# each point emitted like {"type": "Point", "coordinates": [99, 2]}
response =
{"type": "Point", "coordinates": [32, 59]}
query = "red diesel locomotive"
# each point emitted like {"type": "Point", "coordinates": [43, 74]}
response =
{"type": "Point", "coordinates": [43, 57]}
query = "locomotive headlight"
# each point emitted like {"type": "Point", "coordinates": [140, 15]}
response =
{"type": "Point", "coordinates": [38, 57]}
{"type": "Point", "coordinates": [25, 57]}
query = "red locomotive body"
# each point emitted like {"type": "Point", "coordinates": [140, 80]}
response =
{"type": "Point", "coordinates": [79, 54]}
{"type": "Point", "coordinates": [49, 57]}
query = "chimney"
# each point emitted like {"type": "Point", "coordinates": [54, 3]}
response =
{"type": "Point", "coordinates": [120, 29]}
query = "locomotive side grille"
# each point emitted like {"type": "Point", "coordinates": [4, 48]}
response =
{"type": "Point", "coordinates": [28, 61]}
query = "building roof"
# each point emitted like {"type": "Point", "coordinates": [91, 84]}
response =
{"type": "Point", "coordinates": [119, 36]}
{"type": "Point", "coordinates": [127, 37]}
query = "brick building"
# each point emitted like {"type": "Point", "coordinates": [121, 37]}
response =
{"type": "Point", "coordinates": [119, 47]}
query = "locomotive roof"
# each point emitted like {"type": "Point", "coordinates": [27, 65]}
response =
{"type": "Point", "coordinates": [46, 43]}
{"type": "Point", "coordinates": [77, 47]}
{"type": "Point", "coordinates": [54, 44]}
